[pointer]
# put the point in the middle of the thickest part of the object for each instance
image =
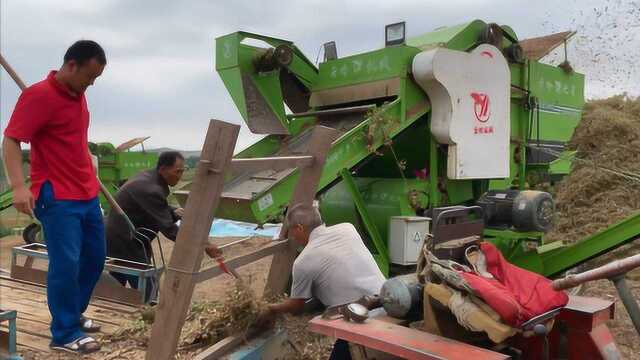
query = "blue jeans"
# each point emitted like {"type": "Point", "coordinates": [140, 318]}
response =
{"type": "Point", "coordinates": [74, 234]}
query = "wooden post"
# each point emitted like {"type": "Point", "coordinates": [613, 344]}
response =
{"type": "Point", "coordinates": [12, 73]}
{"type": "Point", "coordinates": [177, 286]}
{"type": "Point", "coordinates": [304, 192]}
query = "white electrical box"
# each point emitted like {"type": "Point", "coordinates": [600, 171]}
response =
{"type": "Point", "coordinates": [406, 234]}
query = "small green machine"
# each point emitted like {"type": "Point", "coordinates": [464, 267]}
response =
{"type": "Point", "coordinates": [463, 115]}
{"type": "Point", "coordinates": [115, 166]}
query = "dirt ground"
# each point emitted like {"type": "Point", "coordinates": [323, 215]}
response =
{"type": "Point", "coordinates": [254, 274]}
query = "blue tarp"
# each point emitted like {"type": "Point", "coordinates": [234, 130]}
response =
{"type": "Point", "coordinates": [224, 228]}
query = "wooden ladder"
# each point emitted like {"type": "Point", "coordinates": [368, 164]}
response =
{"type": "Point", "coordinates": [183, 272]}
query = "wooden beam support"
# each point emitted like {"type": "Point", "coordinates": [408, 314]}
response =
{"type": "Point", "coordinates": [239, 261]}
{"type": "Point", "coordinates": [304, 192]}
{"type": "Point", "coordinates": [179, 280]}
{"type": "Point", "coordinates": [221, 347]}
{"type": "Point", "coordinates": [271, 163]}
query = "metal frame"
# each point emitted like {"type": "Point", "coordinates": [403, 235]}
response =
{"type": "Point", "coordinates": [145, 273]}
{"type": "Point", "coordinates": [12, 348]}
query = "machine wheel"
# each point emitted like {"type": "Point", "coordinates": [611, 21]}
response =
{"type": "Point", "coordinates": [30, 233]}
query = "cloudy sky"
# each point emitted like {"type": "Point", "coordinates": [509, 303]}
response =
{"type": "Point", "coordinates": [161, 80]}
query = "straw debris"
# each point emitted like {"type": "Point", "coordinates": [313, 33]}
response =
{"type": "Point", "coordinates": [604, 182]}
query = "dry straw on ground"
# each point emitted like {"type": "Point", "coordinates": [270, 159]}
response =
{"type": "Point", "coordinates": [604, 184]}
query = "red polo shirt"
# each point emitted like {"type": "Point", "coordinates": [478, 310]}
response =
{"type": "Point", "coordinates": [55, 122]}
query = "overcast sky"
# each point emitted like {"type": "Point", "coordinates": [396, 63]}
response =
{"type": "Point", "coordinates": [161, 81]}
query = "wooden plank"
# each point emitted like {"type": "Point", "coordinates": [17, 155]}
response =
{"type": "Point", "coordinates": [304, 192]}
{"type": "Point", "coordinates": [239, 261]}
{"type": "Point", "coordinates": [220, 348]}
{"type": "Point", "coordinates": [179, 280]}
{"type": "Point", "coordinates": [103, 289]}
{"type": "Point", "coordinates": [34, 342]}
{"type": "Point", "coordinates": [270, 163]}
{"type": "Point", "coordinates": [41, 289]}
{"type": "Point", "coordinates": [20, 300]}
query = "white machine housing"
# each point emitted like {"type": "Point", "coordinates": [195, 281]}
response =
{"type": "Point", "coordinates": [470, 100]}
{"type": "Point", "coordinates": [406, 235]}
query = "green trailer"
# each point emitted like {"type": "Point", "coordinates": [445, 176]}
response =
{"type": "Point", "coordinates": [408, 144]}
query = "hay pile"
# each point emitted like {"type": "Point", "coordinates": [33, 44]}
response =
{"type": "Point", "coordinates": [206, 323]}
{"type": "Point", "coordinates": [604, 184]}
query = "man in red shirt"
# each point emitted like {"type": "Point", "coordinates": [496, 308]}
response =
{"type": "Point", "coordinates": [52, 116]}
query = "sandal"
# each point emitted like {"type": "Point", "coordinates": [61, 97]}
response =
{"type": "Point", "coordinates": [83, 345]}
{"type": "Point", "coordinates": [88, 326]}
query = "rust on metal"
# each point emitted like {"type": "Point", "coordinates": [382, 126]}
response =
{"type": "Point", "coordinates": [538, 47]}
{"type": "Point", "coordinates": [352, 93]}
{"type": "Point", "coordinates": [615, 268]}
{"type": "Point", "coordinates": [131, 143]}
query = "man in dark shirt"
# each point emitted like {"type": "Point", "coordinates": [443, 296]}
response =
{"type": "Point", "coordinates": [144, 199]}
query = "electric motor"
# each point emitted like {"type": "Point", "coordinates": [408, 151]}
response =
{"type": "Point", "coordinates": [527, 210]}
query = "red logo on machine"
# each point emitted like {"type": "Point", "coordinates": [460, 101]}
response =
{"type": "Point", "coordinates": [481, 106]}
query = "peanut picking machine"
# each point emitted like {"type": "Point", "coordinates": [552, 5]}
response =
{"type": "Point", "coordinates": [464, 116]}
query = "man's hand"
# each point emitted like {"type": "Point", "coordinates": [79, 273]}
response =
{"type": "Point", "coordinates": [213, 251]}
{"type": "Point", "coordinates": [266, 319]}
{"type": "Point", "coordinates": [23, 200]}
{"type": "Point", "coordinates": [179, 212]}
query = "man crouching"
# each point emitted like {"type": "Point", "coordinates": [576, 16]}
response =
{"type": "Point", "coordinates": [335, 267]}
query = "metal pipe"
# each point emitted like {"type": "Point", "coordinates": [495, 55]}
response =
{"type": "Point", "coordinates": [609, 271]}
{"type": "Point", "coordinates": [12, 73]}
{"type": "Point", "coordinates": [627, 299]}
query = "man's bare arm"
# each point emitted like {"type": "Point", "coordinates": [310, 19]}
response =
{"type": "Point", "coordinates": [22, 198]}
{"type": "Point", "coordinates": [289, 306]}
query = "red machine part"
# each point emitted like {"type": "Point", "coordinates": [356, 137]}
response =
{"type": "Point", "coordinates": [580, 332]}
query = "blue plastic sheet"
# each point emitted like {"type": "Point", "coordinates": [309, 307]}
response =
{"type": "Point", "coordinates": [224, 228]}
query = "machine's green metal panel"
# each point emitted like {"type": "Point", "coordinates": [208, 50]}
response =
{"type": "Point", "coordinates": [267, 145]}
{"type": "Point", "coordinates": [459, 37]}
{"type": "Point", "coordinates": [372, 66]}
{"type": "Point", "coordinates": [232, 79]}
{"type": "Point", "coordinates": [519, 248]}
{"type": "Point", "coordinates": [562, 165]}
{"type": "Point", "coordinates": [459, 191]}
{"type": "Point", "coordinates": [347, 151]}
{"type": "Point", "coordinates": [561, 98]}
{"type": "Point", "coordinates": [383, 198]}
{"type": "Point", "coordinates": [597, 244]}
{"type": "Point", "coordinates": [381, 248]}
{"type": "Point", "coordinates": [235, 60]}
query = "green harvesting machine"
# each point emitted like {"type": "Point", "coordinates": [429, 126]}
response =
{"type": "Point", "coordinates": [461, 116]}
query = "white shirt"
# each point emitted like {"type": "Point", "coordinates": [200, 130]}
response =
{"type": "Point", "coordinates": [335, 267]}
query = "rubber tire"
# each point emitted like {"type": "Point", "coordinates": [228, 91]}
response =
{"type": "Point", "coordinates": [30, 233]}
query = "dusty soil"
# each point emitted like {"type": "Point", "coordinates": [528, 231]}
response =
{"type": "Point", "coordinates": [621, 327]}
{"type": "Point", "coordinates": [254, 275]}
